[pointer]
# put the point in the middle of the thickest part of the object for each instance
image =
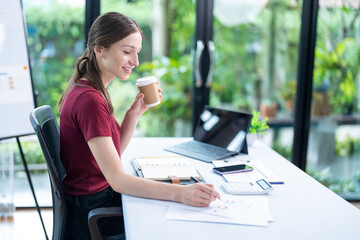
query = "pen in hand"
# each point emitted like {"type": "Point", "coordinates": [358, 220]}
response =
{"type": "Point", "coordinates": [198, 181]}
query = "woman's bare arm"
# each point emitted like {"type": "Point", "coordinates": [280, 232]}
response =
{"type": "Point", "coordinates": [111, 166]}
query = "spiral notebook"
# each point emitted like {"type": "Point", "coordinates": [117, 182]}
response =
{"type": "Point", "coordinates": [161, 168]}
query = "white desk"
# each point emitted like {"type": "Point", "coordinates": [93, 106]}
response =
{"type": "Point", "coordinates": [302, 208]}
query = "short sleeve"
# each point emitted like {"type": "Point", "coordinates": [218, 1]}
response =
{"type": "Point", "coordinates": [92, 115]}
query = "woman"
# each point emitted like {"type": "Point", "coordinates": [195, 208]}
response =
{"type": "Point", "coordinates": [91, 140]}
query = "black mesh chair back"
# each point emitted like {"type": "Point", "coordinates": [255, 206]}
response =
{"type": "Point", "coordinates": [47, 130]}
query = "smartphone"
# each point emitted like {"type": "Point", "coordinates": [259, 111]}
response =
{"type": "Point", "coordinates": [233, 169]}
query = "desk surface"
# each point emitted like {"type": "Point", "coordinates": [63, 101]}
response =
{"type": "Point", "coordinates": [302, 208]}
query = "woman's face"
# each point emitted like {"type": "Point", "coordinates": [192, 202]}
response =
{"type": "Point", "coordinates": [120, 58]}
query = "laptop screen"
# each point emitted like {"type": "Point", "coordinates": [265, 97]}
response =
{"type": "Point", "coordinates": [223, 128]}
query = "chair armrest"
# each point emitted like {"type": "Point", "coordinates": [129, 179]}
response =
{"type": "Point", "coordinates": [98, 213]}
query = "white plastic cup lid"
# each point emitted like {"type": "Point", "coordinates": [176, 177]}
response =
{"type": "Point", "coordinates": [145, 81]}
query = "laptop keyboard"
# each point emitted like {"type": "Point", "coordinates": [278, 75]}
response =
{"type": "Point", "coordinates": [205, 149]}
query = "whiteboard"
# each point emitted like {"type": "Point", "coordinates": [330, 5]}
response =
{"type": "Point", "coordinates": [16, 89]}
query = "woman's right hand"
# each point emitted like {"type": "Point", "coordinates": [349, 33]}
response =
{"type": "Point", "coordinates": [138, 106]}
{"type": "Point", "coordinates": [199, 194]}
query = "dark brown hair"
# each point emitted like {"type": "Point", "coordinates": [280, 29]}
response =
{"type": "Point", "coordinates": [107, 29]}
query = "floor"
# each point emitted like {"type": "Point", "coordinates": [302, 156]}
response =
{"type": "Point", "coordinates": [26, 224]}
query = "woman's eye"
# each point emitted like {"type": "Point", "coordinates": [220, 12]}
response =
{"type": "Point", "coordinates": [126, 52]}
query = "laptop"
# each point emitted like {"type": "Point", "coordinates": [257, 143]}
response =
{"type": "Point", "coordinates": [219, 133]}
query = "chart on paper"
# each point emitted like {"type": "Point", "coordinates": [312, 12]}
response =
{"type": "Point", "coordinates": [14, 84]}
{"type": "Point", "coordinates": [227, 206]}
{"type": "Point", "coordinates": [247, 210]}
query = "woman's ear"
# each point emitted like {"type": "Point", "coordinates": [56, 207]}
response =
{"type": "Point", "coordinates": [98, 51]}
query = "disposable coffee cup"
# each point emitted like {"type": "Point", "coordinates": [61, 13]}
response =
{"type": "Point", "coordinates": [149, 86]}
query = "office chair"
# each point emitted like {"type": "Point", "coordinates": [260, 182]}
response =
{"type": "Point", "coordinates": [47, 130]}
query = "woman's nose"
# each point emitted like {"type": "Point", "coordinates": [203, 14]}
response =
{"type": "Point", "coordinates": [135, 60]}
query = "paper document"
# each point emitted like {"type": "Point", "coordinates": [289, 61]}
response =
{"type": "Point", "coordinates": [226, 207]}
{"type": "Point", "coordinates": [260, 172]}
{"type": "Point", "coordinates": [247, 210]}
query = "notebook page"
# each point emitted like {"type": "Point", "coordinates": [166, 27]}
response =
{"type": "Point", "coordinates": [162, 168]}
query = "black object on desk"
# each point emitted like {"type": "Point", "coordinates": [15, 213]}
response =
{"type": "Point", "coordinates": [220, 133]}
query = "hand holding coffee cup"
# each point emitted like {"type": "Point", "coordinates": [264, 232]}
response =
{"type": "Point", "coordinates": [149, 87]}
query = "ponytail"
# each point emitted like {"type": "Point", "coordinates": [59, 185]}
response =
{"type": "Point", "coordinates": [87, 67]}
{"type": "Point", "coordinates": [107, 29]}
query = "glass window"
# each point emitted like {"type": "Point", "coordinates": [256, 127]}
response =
{"type": "Point", "coordinates": [168, 31]}
{"type": "Point", "coordinates": [333, 156]}
{"type": "Point", "coordinates": [55, 41]}
{"type": "Point", "coordinates": [256, 54]}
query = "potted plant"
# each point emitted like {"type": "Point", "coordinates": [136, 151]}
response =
{"type": "Point", "coordinates": [268, 108]}
{"type": "Point", "coordinates": [288, 93]}
{"type": "Point", "coordinates": [258, 127]}
{"type": "Point", "coordinates": [320, 103]}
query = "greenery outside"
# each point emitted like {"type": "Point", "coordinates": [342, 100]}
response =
{"type": "Point", "coordinates": [337, 57]}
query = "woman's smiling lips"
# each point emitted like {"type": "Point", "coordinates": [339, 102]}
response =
{"type": "Point", "coordinates": [127, 70]}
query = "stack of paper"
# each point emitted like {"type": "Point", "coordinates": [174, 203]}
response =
{"type": "Point", "coordinates": [247, 210]}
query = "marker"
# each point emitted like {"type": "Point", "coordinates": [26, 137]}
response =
{"type": "Point", "coordinates": [198, 181]}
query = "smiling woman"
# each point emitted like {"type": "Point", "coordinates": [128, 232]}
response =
{"type": "Point", "coordinates": [120, 58]}
{"type": "Point", "coordinates": [107, 36]}
{"type": "Point", "coordinates": [92, 141]}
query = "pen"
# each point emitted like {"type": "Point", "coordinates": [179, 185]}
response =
{"type": "Point", "coordinates": [195, 179]}
{"type": "Point", "coordinates": [198, 181]}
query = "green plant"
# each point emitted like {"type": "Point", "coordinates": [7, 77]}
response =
{"type": "Point", "coordinates": [338, 68]}
{"type": "Point", "coordinates": [323, 176]}
{"type": "Point", "coordinates": [349, 146]}
{"type": "Point", "coordinates": [288, 91]}
{"type": "Point", "coordinates": [32, 152]}
{"type": "Point", "coordinates": [175, 81]}
{"type": "Point", "coordinates": [258, 126]}
{"type": "Point", "coordinates": [55, 40]}
{"type": "Point", "coordinates": [337, 185]}
{"type": "Point", "coordinates": [357, 177]}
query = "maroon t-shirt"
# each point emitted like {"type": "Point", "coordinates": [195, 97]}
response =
{"type": "Point", "coordinates": [84, 115]}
